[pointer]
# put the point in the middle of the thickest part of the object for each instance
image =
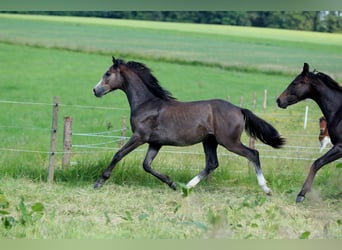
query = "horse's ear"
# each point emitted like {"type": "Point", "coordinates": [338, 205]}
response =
{"type": "Point", "coordinates": [115, 62]}
{"type": "Point", "coordinates": [305, 69]}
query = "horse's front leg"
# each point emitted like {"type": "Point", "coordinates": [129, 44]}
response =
{"type": "Point", "coordinates": [151, 154]}
{"type": "Point", "coordinates": [133, 143]}
{"type": "Point", "coordinates": [333, 154]}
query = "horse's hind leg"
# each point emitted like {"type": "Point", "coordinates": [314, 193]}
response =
{"type": "Point", "coordinates": [210, 147]}
{"type": "Point", "coordinates": [253, 156]}
{"type": "Point", "coordinates": [151, 154]}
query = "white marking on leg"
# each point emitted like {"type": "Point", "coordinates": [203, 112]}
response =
{"type": "Point", "coordinates": [194, 181]}
{"type": "Point", "coordinates": [326, 140]}
{"type": "Point", "coordinates": [262, 183]}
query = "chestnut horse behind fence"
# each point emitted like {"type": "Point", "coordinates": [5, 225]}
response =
{"type": "Point", "coordinates": [327, 93]}
{"type": "Point", "coordinates": [324, 138]}
{"type": "Point", "coordinates": [159, 119]}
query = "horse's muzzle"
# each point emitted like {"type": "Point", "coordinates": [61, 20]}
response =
{"type": "Point", "coordinates": [281, 104]}
{"type": "Point", "coordinates": [96, 93]}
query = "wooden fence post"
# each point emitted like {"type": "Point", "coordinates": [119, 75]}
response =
{"type": "Point", "coordinates": [254, 102]}
{"type": "Point", "coordinates": [241, 101]}
{"type": "Point", "coordinates": [53, 139]}
{"type": "Point", "coordinates": [67, 134]}
{"type": "Point", "coordinates": [251, 139]}
{"type": "Point", "coordinates": [265, 100]}
{"type": "Point", "coordinates": [306, 116]}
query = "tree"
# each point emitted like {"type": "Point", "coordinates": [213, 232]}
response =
{"type": "Point", "coordinates": [323, 21]}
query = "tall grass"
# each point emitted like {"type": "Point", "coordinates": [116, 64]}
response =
{"type": "Point", "coordinates": [119, 212]}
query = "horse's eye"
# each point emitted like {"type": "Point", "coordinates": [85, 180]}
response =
{"type": "Point", "coordinates": [107, 74]}
{"type": "Point", "coordinates": [298, 82]}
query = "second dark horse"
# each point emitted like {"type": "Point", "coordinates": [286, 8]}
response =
{"type": "Point", "coordinates": [159, 119]}
{"type": "Point", "coordinates": [327, 93]}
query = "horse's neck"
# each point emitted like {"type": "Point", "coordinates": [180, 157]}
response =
{"type": "Point", "coordinates": [136, 91]}
{"type": "Point", "coordinates": [329, 101]}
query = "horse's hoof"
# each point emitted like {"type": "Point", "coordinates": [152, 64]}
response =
{"type": "Point", "coordinates": [173, 186]}
{"type": "Point", "coordinates": [300, 198]}
{"type": "Point", "coordinates": [98, 184]}
{"type": "Point", "coordinates": [269, 193]}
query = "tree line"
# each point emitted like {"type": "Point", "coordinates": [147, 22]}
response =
{"type": "Point", "coordinates": [321, 21]}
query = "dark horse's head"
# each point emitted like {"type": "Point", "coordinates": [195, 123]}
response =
{"type": "Point", "coordinates": [111, 79]}
{"type": "Point", "coordinates": [299, 89]}
{"type": "Point", "coordinates": [119, 76]}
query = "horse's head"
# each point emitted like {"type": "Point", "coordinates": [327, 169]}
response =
{"type": "Point", "coordinates": [298, 89]}
{"type": "Point", "coordinates": [322, 125]}
{"type": "Point", "coordinates": [111, 79]}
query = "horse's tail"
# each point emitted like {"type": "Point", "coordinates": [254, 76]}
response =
{"type": "Point", "coordinates": [258, 128]}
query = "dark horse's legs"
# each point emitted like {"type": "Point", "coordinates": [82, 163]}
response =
{"type": "Point", "coordinates": [151, 154]}
{"type": "Point", "coordinates": [253, 156]}
{"type": "Point", "coordinates": [210, 147]}
{"type": "Point", "coordinates": [333, 154]}
{"type": "Point", "coordinates": [132, 144]}
{"type": "Point", "coordinates": [211, 162]}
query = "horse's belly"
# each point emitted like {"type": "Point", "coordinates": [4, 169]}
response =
{"type": "Point", "coordinates": [179, 137]}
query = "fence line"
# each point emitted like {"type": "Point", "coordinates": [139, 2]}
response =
{"type": "Point", "coordinates": [26, 103]}
{"type": "Point", "coordinates": [60, 105]}
{"type": "Point", "coordinates": [92, 107]}
{"type": "Point", "coordinates": [261, 113]}
{"type": "Point", "coordinates": [91, 145]}
{"type": "Point", "coordinates": [26, 150]}
{"type": "Point", "coordinates": [102, 136]}
{"type": "Point", "coordinates": [103, 132]}
{"type": "Point", "coordinates": [21, 127]}
{"type": "Point", "coordinates": [117, 138]}
{"type": "Point", "coordinates": [253, 105]}
{"type": "Point", "coordinates": [113, 149]}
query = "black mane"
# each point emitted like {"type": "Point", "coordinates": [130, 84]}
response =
{"type": "Point", "coordinates": [149, 80]}
{"type": "Point", "coordinates": [328, 81]}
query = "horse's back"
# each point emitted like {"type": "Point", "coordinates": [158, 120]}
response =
{"type": "Point", "coordinates": [221, 111]}
{"type": "Point", "coordinates": [228, 121]}
{"type": "Point", "coordinates": [186, 123]}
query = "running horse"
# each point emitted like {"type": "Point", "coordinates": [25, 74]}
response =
{"type": "Point", "coordinates": [158, 119]}
{"type": "Point", "coordinates": [327, 93]}
{"type": "Point", "coordinates": [323, 137]}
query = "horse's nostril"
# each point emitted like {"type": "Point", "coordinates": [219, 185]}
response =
{"type": "Point", "coordinates": [97, 93]}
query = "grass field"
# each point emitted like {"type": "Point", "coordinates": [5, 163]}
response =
{"type": "Point", "coordinates": [226, 46]}
{"type": "Point", "coordinates": [42, 57]}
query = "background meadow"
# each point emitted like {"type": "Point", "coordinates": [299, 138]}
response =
{"type": "Point", "coordinates": [43, 57]}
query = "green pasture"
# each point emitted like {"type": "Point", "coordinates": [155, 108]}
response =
{"type": "Point", "coordinates": [246, 48]}
{"type": "Point", "coordinates": [43, 57]}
